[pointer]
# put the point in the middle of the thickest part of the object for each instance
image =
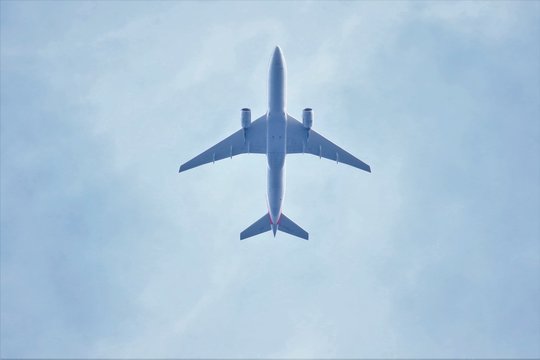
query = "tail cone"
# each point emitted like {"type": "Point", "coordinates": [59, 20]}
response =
{"type": "Point", "coordinates": [274, 229]}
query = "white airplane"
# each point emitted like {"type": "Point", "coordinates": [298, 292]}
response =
{"type": "Point", "coordinates": [275, 134]}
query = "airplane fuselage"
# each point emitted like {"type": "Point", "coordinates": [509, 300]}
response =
{"type": "Point", "coordinates": [276, 136]}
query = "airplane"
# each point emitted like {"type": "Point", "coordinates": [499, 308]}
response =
{"type": "Point", "coordinates": [276, 134]}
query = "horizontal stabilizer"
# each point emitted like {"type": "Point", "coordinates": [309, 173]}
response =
{"type": "Point", "coordinates": [287, 225]}
{"type": "Point", "coordinates": [284, 224]}
{"type": "Point", "coordinates": [260, 226]}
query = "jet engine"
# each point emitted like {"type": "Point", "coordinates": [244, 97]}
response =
{"type": "Point", "coordinates": [307, 118]}
{"type": "Point", "coordinates": [246, 118]}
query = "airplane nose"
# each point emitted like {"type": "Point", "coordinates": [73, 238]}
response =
{"type": "Point", "coordinates": [277, 58]}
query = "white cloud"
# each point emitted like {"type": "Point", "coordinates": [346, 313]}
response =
{"type": "Point", "coordinates": [486, 20]}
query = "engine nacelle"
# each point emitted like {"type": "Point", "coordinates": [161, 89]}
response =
{"type": "Point", "coordinates": [246, 118]}
{"type": "Point", "coordinates": [307, 118]}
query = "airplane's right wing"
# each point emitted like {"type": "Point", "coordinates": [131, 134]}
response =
{"type": "Point", "coordinates": [251, 140]}
{"type": "Point", "coordinates": [302, 140]}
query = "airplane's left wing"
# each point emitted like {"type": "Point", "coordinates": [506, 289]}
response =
{"type": "Point", "coordinates": [250, 140]}
{"type": "Point", "coordinates": [302, 140]}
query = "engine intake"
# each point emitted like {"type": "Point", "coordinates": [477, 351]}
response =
{"type": "Point", "coordinates": [246, 118]}
{"type": "Point", "coordinates": [307, 118]}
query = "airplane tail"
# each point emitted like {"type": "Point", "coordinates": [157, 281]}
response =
{"type": "Point", "coordinates": [264, 224]}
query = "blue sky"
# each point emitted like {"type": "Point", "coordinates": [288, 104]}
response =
{"type": "Point", "coordinates": [106, 251]}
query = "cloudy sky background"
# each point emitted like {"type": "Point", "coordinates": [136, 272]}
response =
{"type": "Point", "coordinates": [106, 251]}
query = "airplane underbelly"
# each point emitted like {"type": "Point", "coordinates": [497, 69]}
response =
{"type": "Point", "coordinates": [276, 139]}
{"type": "Point", "coordinates": [276, 191]}
{"type": "Point", "coordinates": [276, 150]}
